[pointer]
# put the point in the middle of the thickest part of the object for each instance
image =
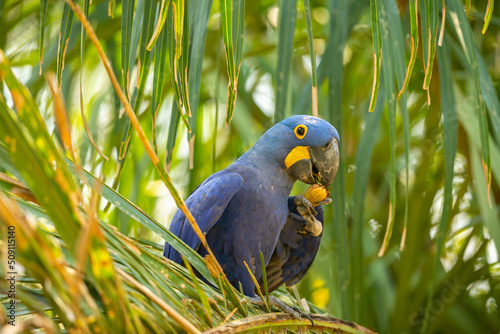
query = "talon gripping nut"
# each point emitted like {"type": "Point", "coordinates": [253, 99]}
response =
{"type": "Point", "coordinates": [316, 193]}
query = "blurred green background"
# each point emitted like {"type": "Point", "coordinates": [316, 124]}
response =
{"type": "Point", "coordinates": [415, 161]}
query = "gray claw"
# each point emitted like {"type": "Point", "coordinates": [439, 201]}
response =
{"type": "Point", "coordinates": [304, 315]}
{"type": "Point", "coordinates": [326, 201]}
{"type": "Point", "coordinates": [308, 317]}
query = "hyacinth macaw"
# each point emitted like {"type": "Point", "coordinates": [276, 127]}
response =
{"type": "Point", "coordinates": [246, 207]}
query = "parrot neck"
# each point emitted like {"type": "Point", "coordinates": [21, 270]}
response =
{"type": "Point", "coordinates": [270, 162]}
{"type": "Point", "coordinates": [274, 173]}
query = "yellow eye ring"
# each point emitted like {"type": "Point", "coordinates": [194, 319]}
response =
{"type": "Point", "coordinates": [300, 131]}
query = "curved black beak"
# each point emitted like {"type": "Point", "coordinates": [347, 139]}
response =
{"type": "Point", "coordinates": [321, 167]}
{"type": "Point", "coordinates": [325, 162]}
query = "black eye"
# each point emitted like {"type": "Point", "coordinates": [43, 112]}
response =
{"type": "Point", "coordinates": [300, 131]}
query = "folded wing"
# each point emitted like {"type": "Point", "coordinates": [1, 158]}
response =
{"type": "Point", "coordinates": [206, 204]}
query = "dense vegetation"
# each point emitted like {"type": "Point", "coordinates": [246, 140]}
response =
{"type": "Point", "coordinates": [411, 238]}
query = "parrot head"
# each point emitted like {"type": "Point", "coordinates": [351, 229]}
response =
{"type": "Point", "coordinates": [314, 157]}
{"type": "Point", "coordinates": [306, 146]}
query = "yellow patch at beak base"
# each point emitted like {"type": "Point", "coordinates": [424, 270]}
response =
{"type": "Point", "coordinates": [298, 153]}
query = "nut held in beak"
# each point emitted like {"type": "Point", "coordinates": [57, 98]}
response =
{"type": "Point", "coordinates": [316, 193]}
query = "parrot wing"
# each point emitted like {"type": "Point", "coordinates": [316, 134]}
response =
{"type": "Point", "coordinates": [295, 250]}
{"type": "Point", "coordinates": [206, 204]}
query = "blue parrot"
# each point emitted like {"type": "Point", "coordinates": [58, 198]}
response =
{"type": "Point", "coordinates": [246, 207]}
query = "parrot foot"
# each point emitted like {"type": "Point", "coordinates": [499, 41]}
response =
{"type": "Point", "coordinates": [301, 200]}
{"type": "Point", "coordinates": [303, 315]}
{"type": "Point", "coordinates": [293, 311]}
{"type": "Point", "coordinates": [313, 226]}
{"type": "Point", "coordinates": [306, 210]}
